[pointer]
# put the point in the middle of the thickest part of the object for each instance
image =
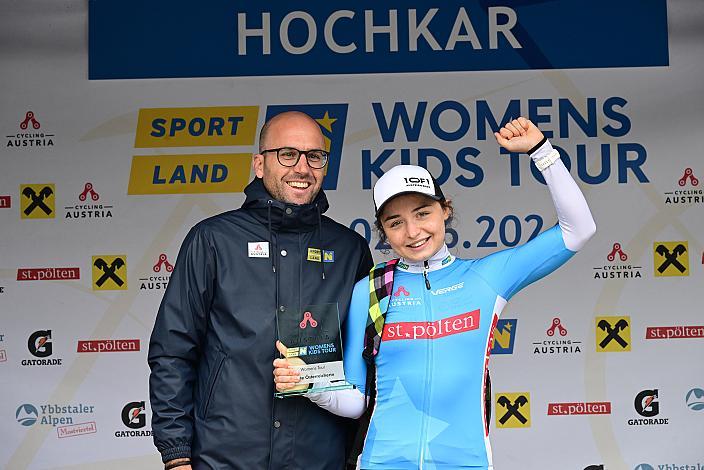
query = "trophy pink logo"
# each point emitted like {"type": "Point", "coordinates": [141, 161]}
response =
{"type": "Point", "coordinates": [402, 290]}
{"type": "Point", "coordinates": [308, 318]}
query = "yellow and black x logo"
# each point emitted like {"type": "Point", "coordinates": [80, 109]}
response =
{"type": "Point", "coordinates": [37, 201]}
{"type": "Point", "coordinates": [110, 272]}
{"type": "Point", "coordinates": [513, 410]}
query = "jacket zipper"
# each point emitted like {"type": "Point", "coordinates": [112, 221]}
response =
{"type": "Point", "coordinates": [428, 369]}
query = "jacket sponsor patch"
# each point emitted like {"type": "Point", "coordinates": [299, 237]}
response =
{"type": "Point", "coordinates": [258, 249]}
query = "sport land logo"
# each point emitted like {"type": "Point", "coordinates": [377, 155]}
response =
{"type": "Point", "coordinates": [512, 410]}
{"type": "Point", "coordinates": [81, 210]}
{"type": "Point", "coordinates": [37, 201]}
{"type": "Point", "coordinates": [109, 272]}
{"type": "Point", "coordinates": [160, 276]}
{"type": "Point", "coordinates": [504, 336]}
{"type": "Point", "coordinates": [193, 127]}
{"type": "Point", "coordinates": [39, 345]}
{"type": "Point", "coordinates": [557, 345]}
{"type": "Point", "coordinates": [332, 119]}
{"type": "Point", "coordinates": [613, 334]}
{"type": "Point", "coordinates": [688, 194]}
{"type": "Point", "coordinates": [134, 416]}
{"type": "Point", "coordinates": [671, 258]}
{"type": "Point", "coordinates": [30, 134]}
{"type": "Point", "coordinates": [647, 405]}
{"type": "Point", "coordinates": [616, 269]}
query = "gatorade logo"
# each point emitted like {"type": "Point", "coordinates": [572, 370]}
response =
{"type": "Point", "coordinates": [133, 415]}
{"type": "Point", "coordinates": [39, 343]}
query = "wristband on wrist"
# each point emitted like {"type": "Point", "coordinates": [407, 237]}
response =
{"type": "Point", "coordinates": [537, 146]}
{"type": "Point", "coordinates": [547, 160]}
{"type": "Point", "coordinates": [180, 463]}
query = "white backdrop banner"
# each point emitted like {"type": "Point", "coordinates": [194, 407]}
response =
{"type": "Point", "coordinates": [112, 152]}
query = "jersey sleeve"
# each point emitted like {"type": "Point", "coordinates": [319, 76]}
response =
{"type": "Point", "coordinates": [508, 271]}
{"type": "Point", "coordinates": [353, 335]}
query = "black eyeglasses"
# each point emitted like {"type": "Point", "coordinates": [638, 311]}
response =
{"type": "Point", "coordinates": [289, 156]}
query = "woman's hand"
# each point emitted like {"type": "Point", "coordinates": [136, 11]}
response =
{"type": "Point", "coordinates": [286, 377]}
{"type": "Point", "coordinates": [519, 135]}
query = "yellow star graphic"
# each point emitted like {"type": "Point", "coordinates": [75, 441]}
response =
{"type": "Point", "coordinates": [326, 121]}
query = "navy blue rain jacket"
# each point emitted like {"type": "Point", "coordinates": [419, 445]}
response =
{"type": "Point", "coordinates": [212, 347]}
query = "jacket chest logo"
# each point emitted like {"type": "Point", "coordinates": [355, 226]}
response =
{"type": "Point", "coordinates": [258, 249]}
{"type": "Point", "coordinates": [314, 255]}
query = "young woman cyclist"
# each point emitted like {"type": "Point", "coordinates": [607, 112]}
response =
{"type": "Point", "coordinates": [425, 368]}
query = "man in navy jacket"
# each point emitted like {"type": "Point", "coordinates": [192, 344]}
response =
{"type": "Point", "coordinates": [213, 343]}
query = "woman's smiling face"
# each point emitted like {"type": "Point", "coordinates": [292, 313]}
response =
{"type": "Point", "coordinates": [414, 225]}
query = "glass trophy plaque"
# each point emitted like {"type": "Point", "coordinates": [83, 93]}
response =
{"type": "Point", "coordinates": [312, 338]}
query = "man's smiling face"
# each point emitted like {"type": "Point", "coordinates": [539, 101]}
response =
{"type": "Point", "coordinates": [298, 184]}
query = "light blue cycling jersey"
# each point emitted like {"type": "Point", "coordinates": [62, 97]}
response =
{"type": "Point", "coordinates": [431, 365]}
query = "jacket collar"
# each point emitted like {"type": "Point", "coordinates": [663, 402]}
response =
{"type": "Point", "coordinates": [438, 261]}
{"type": "Point", "coordinates": [285, 217]}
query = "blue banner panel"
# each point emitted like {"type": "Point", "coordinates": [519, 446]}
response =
{"type": "Point", "coordinates": [219, 38]}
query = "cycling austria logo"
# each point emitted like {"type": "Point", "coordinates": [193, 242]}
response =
{"type": "Point", "coordinates": [220, 126]}
{"type": "Point", "coordinates": [89, 204]}
{"type": "Point", "coordinates": [617, 266]}
{"type": "Point", "coordinates": [512, 410]}
{"type": "Point", "coordinates": [109, 272]}
{"type": "Point", "coordinates": [30, 133]}
{"type": "Point", "coordinates": [159, 275]}
{"type": "Point", "coordinates": [671, 258]}
{"type": "Point", "coordinates": [613, 334]}
{"type": "Point", "coordinates": [556, 341]}
{"type": "Point", "coordinates": [403, 298]}
{"type": "Point", "coordinates": [687, 191]}
{"type": "Point", "coordinates": [134, 417]}
{"type": "Point", "coordinates": [40, 345]}
{"type": "Point", "coordinates": [37, 201]}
